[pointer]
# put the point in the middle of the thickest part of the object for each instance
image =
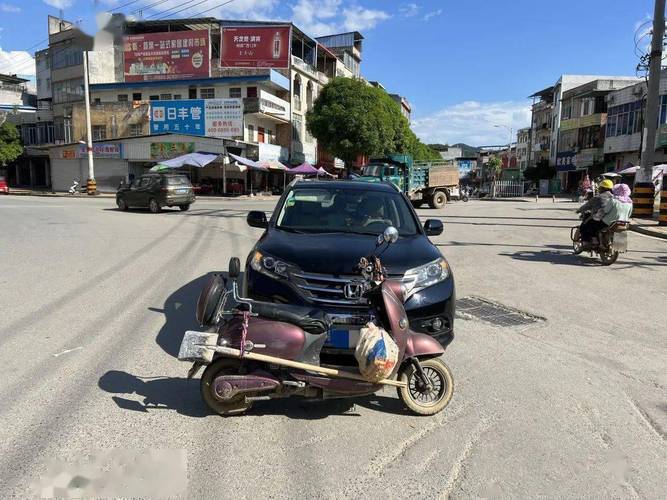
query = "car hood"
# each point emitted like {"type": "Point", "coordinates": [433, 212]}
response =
{"type": "Point", "coordinates": [339, 253]}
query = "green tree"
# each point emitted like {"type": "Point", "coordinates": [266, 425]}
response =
{"type": "Point", "coordinates": [350, 118]}
{"type": "Point", "coordinates": [10, 143]}
{"type": "Point", "coordinates": [495, 165]}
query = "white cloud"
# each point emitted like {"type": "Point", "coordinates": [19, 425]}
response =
{"type": "Point", "coordinates": [6, 7]}
{"type": "Point", "coordinates": [429, 15]}
{"type": "Point", "coordinates": [473, 123]}
{"type": "Point", "coordinates": [409, 10]}
{"type": "Point", "coordinates": [357, 18]}
{"type": "Point", "coordinates": [59, 4]}
{"type": "Point", "coordinates": [17, 62]}
{"type": "Point", "coordinates": [324, 17]}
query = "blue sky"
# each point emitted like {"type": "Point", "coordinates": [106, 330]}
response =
{"type": "Point", "coordinates": [464, 65]}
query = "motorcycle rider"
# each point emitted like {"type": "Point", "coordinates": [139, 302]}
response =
{"type": "Point", "coordinates": [599, 206]}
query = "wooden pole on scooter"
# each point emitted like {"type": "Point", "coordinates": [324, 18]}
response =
{"type": "Point", "coordinates": [230, 351]}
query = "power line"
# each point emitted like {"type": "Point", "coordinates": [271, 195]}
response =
{"type": "Point", "coordinates": [124, 5]}
{"type": "Point", "coordinates": [214, 7]}
{"type": "Point", "coordinates": [175, 7]}
{"type": "Point", "coordinates": [146, 7]}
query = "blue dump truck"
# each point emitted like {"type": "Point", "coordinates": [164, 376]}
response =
{"type": "Point", "coordinates": [433, 182]}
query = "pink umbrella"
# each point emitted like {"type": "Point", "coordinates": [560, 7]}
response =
{"type": "Point", "coordinates": [304, 169]}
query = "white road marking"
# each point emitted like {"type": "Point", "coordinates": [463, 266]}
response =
{"type": "Point", "coordinates": [66, 351]}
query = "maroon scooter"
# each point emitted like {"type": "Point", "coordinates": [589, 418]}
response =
{"type": "Point", "coordinates": [259, 351]}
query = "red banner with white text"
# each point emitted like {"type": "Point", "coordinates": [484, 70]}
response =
{"type": "Point", "coordinates": [255, 47]}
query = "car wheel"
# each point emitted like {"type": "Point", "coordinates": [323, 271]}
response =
{"type": "Point", "coordinates": [121, 204]}
{"type": "Point", "coordinates": [438, 200]}
{"type": "Point", "coordinates": [184, 208]}
{"type": "Point", "coordinates": [153, 206]}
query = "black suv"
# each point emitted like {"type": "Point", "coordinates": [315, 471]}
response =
{"type": "Point", "coordinates": [315, 238]}
{"type": "Point", "coordinates": [156, 190]}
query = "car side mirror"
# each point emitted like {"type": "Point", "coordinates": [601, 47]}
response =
{"type": "Point", "coordinates": [234, 268]}
{"type": "Point", "coordinates": [257, 218]}
{"type": "Point", "coordinates": [433, 227]}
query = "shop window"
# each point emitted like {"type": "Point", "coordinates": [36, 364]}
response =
{"type": "Point", "coordinates": [122, 97]}
{"type": "Point", "coordinates": [251, 133]}
{"type": "Point", "coordinates": [165, 97]}
{"type": "Point", "coordinates": [252, 91]}
{"type": "Point", "coordinates": [99, 132]}
{"type": "Point", "coordinates": [136, 129]}
{"type": "Point", "coordinates": [296, 127]}
{"type": "Point", "coordinates": [192, 92]}
{"type": "Point", "coordinates": [136, 96]}
{"type": "Point", "coordinates": [207, 93]}
{"type": "Point", "coordinates": [154, 98]}
{"type": "Point", "coordinates": [235, 92]}
{"type": "Point", "coordinates": [177, 96]}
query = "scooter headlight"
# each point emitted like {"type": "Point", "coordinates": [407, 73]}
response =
{"type": "Point", "coordinates": [421, 277]}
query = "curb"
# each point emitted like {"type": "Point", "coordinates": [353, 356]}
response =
{"type": "Point", "coordinates": [648, 232]}
{"type": "Point", "coordinates": [60, 195]}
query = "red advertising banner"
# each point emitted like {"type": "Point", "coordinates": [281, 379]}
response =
{"type": "Point", "coordinates": [255, 47]}
{"type": "Point", "coordinates": [167, 56]}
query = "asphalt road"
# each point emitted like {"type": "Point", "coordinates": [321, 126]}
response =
{"type": "Point", "coordinates": [94, 302]}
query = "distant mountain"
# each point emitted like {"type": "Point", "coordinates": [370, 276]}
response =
{"type": "Point", "coordinates": [467, 151]}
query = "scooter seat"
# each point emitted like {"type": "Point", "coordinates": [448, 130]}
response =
{"type": "Point", "coordinates": [309, 319]}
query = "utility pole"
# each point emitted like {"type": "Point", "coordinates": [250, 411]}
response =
{"type": "Point", "coordinates": [91, 184]}
{"type": "Point", "coordinates": [652, 103]}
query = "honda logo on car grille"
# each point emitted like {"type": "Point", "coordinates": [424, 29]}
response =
{"type": "Point", "coordinates": [353, 290]}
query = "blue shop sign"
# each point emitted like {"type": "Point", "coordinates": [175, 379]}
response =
{"type": "Point", "coordinates": [566, 161]}
{"type": "Point", "coordinates": [182, 116]}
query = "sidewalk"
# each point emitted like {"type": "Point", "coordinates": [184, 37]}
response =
{"type": "Point", "coordinates": [62, 194]}
{"type": "Point", "coordinates": [649, 228]}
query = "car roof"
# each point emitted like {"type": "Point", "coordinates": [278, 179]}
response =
{"type": "Point", "coordinates": [386, 187]}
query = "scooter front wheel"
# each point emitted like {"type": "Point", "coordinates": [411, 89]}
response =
{"type": "Point", "coordinates": [222, 366]}
{"type": "Point", "coordinates": [423, 400]}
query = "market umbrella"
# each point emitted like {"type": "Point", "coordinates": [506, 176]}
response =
{"type": "Point", "coordinates": [248, 163]}
{"type": "Point", "coordinates": [321, 171]}
{"type": "Point", "coordinates": [191, 159]}
{"type": "Point", "coordinates": [304, 169]}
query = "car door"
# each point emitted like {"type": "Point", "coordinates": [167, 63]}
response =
{"type": "Point", "coordinates": [142, 193]}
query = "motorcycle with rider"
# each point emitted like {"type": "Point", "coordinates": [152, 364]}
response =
{"type": "Point", "coordinates": [605, 221]}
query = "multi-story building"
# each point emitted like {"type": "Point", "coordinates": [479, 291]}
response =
{"type": "Point", "coordinates": [404, 104]}
{"type": "Point", "coordinates": [626, 110]}
{"type": "Point", "coordinates": [522, 148]}
{"type": "Point", "coordinates": [128, 93]}
{"type": "Point", "coordinates": [580, 147]}
{"type": "Point", "coordinates": [540, 131]}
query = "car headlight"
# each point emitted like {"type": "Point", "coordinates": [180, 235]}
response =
{"type": "Point", "coordinates": [418, 278]}
{"type": "Point", "coordinates": [266, 264]}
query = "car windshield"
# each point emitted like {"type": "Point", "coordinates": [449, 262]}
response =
{"type": "Point", "coordinates": [177, 180]}
{"type": "Point", "coordinates": [373, 170]}
{"type": "Point", "coordinates": [335, 210]}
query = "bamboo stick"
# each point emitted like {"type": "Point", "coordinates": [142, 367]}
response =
{"type": "Point", "coordinates": [230, 351]}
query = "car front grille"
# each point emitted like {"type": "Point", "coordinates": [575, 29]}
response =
{"type": "Point", "coordinates": [326, 288]}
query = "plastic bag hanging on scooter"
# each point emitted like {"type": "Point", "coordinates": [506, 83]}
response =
{"type": "Point", "coordinates": [376, 353]}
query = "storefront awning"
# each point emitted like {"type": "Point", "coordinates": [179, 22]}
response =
{"type": "Point", "coordinates": [188, 160]}
{"type": "Point", "coordinates": [245, 161]}
{"type": "Point", "coordinates": [304, 169]}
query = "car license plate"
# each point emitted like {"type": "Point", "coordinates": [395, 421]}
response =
{"type": "Point", "coordinates": [342, 337]}
{"type": "Point", "coordinates": [182, 191]}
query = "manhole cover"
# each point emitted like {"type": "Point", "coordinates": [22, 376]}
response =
{"type": "Point", "coordinates": [494, 313]}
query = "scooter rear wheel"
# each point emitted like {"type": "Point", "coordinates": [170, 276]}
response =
{"type": "Point", "coordinates": [608, 257]}
{"type": "Point", "coordinates": [420, 400]}
{"type": "Point", "coordinates": [219, 367]}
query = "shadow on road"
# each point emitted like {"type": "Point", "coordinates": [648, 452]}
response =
{"type": "Point", "coordinates": [477, 243]}
{"type": "Point", "coordinates": [179, 314]}
{"type": "Point", "coordinates": [568, 258]}
{"type": "Point", "coordinates": [182, 395]}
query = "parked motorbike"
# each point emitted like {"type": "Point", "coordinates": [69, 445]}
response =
{"type": "Point", "coordinates": [610, 241]}
{"type": "Point", "coordinates": [259, 351]}
{"type": "Point", "coordinates": [77, 188]}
